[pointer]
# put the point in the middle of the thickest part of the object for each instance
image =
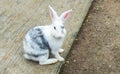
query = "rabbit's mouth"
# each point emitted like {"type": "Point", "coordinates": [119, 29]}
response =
{"type": "Point", "coordinates": [58, 37]}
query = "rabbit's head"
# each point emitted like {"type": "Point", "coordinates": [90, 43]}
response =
{"type": "Point", "coordinates": [57, 27]}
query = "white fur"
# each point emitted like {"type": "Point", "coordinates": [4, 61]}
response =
{"type": "Point", "coordinates": [54, 34]}
{"type": "Point", "coordinates": [61, 50]}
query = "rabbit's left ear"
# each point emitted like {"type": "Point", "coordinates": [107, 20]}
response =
{"type": "Point", "coordinates": [53, 13]}
{"type": "Point", "coordinates": [65, 15]}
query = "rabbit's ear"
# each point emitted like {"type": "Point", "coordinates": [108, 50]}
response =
{"type": "Point", "coordinates": [65, 15]}
{"type": "Point", "coordinates": [53, 13]}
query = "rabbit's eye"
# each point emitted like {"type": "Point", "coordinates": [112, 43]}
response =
{"type": "Point", "coordinates": [62, 27]}
{"type": "Point", "coordinates": [54, 27]}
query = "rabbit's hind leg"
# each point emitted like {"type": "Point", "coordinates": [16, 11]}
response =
{"type": "Point", "coordinates": [48, 61]}
{"type": "Point", "coordinates": [31, 57]}
{"type": "Point", "coordinates": [44, 60]}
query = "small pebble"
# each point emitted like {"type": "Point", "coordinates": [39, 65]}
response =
{"type": "Point", "coordinates": [67, 62]}
{"type": "Point", "coordinates": [76, 39]}
{"type": "Point", "coordinates": [74, 60]}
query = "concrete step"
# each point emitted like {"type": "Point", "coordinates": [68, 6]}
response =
{"type": "Point", "coordinates": [18, 16]}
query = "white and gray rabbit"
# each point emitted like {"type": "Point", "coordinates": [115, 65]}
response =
{"type": "Point", "coordinates": [42, 40]}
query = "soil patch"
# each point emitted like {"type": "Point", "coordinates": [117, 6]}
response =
{"type": "Point", "coordinates": [96, 49]}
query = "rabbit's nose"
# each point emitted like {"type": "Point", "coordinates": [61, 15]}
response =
{"type": "Point", "coordinates": [62, 32]}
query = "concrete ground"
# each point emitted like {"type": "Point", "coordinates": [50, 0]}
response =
{"type": "Point", "coordinates": [18, 16]}
{"type": "Point", "coordinates": [96, 49]}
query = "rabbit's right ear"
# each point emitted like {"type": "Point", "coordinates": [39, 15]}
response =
{"type": "Point", "coordinates": [53, 13]}
{"type": "Point", "coordinates": [65, 15]}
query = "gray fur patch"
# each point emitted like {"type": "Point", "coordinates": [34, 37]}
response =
{"type": "Point", "coordinates": [36, 55]}
{"type": "Point", "coordinates": [38, 38]}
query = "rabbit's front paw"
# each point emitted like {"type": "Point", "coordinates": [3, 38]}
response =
{"type": "Point", "coordinates": [61, 50]}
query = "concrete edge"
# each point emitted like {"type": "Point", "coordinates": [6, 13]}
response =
{"type": "Point", "coordinates": [85, 14]}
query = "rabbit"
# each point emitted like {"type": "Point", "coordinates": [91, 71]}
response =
{"type": "Point", "coordinates": [42, 40]}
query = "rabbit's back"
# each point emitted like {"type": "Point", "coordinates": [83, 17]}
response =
{"type": "Point", "coordinates": [36, 42]}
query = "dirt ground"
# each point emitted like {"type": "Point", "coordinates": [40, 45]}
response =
{"type": "Point", "coordinates": [96, 49]}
